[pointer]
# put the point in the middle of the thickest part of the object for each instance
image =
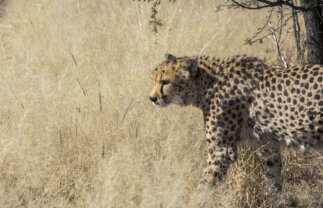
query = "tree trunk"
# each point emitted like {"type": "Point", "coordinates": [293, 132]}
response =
{"type": "Point", "coordinates": [314, 31]}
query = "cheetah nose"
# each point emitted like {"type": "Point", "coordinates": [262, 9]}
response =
{"type": "Point", "coordinates": [153, 99]}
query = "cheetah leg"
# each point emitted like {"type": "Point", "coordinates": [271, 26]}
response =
{"type": "Point", "coordinates": [218, 162]}
{"type": "Point", "coordinates": [272, 163]}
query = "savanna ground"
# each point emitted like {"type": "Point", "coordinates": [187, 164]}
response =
{"type": "Point", "coordinates": [76, 127]}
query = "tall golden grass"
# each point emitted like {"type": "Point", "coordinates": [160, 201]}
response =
{"type": "Point", "coordinates": [76, 127]}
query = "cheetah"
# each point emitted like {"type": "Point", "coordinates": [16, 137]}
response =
{"type": "Point", "coordinates": [244, 99]}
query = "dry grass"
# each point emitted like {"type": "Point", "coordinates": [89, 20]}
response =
{"type": "Point", "coordinates": [76, 127]}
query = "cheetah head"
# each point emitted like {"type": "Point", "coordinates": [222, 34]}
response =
{"type": "Point", "coordinates": [174, 81]}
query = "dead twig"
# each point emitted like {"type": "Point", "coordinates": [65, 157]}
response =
{"type": "Point", "coordinates": [276, 41]}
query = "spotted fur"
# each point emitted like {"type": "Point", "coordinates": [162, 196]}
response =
{"type": "Point", "coordinates": [242, 99]}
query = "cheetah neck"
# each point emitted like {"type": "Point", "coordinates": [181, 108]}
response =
{"type": "Point", "coordinates": [215, 74]}
{"type": "Point", "coordinates": [203, 88]}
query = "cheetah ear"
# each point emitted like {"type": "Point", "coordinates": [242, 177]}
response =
{"type": "Point", "coordinates": [170, 57]}
{"type": "Point", "coordinates": [191, 66]}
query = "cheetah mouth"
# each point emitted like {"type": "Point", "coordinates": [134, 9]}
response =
{"type": "Point", "coordinates": [163, 102]}
{"type": "Point", "coordinates": [160, 105]}
{"type": "Point", "coordinates": [168, 100]}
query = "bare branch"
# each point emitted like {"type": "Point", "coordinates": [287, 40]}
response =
{"type": "Point", "coordinates": [280, 23]}
{"type": "Point", "coordinates": [275, 39]}
{"type": "Point", "coordinates": [255, 37]}
{"type": "Point", "coordinates": [249, 7]}
{"type": "Point", "coordinates": [296, 28]}
{"type": "Point", "coordinates": [266, 4]}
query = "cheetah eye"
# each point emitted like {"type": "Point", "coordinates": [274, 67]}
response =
{"type": "Point", "coordinates": [165, 82]}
